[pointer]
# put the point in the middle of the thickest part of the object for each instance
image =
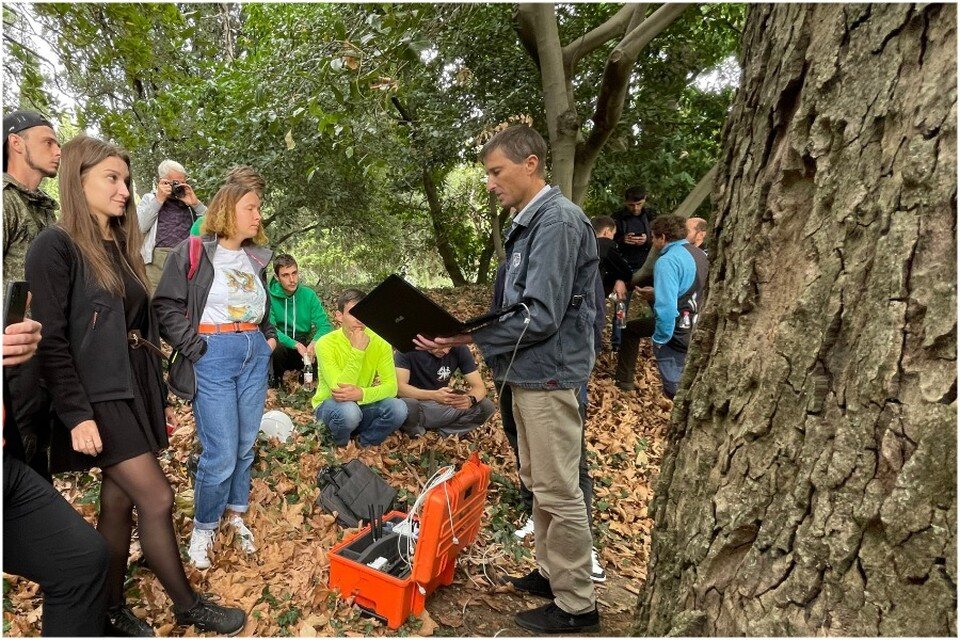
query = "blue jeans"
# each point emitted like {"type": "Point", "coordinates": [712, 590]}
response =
{"type": "Point", "coordinates": [370, 423]}
{"type": "Point", "coordinates": [670, 363]}
{"type": "Point", "coordinates": [228, 407]}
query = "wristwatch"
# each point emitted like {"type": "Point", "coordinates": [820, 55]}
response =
{"type": "Point", "coordinates": [473, 401]}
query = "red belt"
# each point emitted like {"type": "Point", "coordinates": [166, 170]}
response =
{"type": "Point", "coordinates": [229, 327]}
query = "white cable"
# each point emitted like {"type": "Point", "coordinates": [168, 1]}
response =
{"type": "Point", "coordinates": [516, 347]}
{"type": "Point", "coordinates": [441, 476]}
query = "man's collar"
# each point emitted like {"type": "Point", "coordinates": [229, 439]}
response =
{"type": "Point", "coordinates": [33, 194]}
{"type": "Point", "coordinates": [523, 217]}
{"type": "Point", "coordinates": [672, 243]}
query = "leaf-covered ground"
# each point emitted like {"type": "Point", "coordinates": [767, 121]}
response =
{"type": "Point", "coordinates": [284, 586]}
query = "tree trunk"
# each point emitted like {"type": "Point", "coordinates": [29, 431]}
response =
{"type": "Point", "coordinates": [809, 483]}
{"type": "Point", "coordinates": [497, 216]}
{"type": "Point", "coordinates": [444, 248]}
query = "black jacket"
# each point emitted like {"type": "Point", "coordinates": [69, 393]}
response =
{"type": "Point", "coordinates": [179, 304]}
{"type": "Point", "coordinates": [612, 265]}
{"type": "Point", "coordinates": [84, 353]}
{"type": "Point", "coordinates": [629, 223]}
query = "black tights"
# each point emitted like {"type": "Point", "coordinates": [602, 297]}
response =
{"type": "Point", "coordinates": [140, 482]}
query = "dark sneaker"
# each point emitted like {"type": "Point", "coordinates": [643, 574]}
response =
{"type": "Point", "coordinates": [552, 619]}
{"type": "Point", "coordinates": [206, 616]}
{"type": "Point", "coordinates": [122, 623]}
{"type": "Point", "coordinates": [534, 584]}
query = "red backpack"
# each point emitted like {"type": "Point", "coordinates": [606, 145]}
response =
{"type": "Point", "coordinates": [196, 247]}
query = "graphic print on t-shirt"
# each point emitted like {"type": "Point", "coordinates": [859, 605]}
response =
{"type": "Point", "coordinates": [443, 373]}
{"type": "Point", "coordinates": [243, 302]}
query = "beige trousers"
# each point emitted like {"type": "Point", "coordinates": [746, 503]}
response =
{"type": "Point", "coordinates": [155, 268]}
{"type": "Point", "coordinates": [549, 428]}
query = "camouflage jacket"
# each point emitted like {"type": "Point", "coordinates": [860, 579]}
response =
{"type": "Point", "coordinates": [25, 214]}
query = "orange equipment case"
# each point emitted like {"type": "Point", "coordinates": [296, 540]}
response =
{"type": "Point", "coordinates": [435, 556]}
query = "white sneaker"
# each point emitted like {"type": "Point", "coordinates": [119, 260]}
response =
{"type": "Point", "coordinates": [243, 534]}
{"type": "Point", "coordinates": [200, 542]}
{"type": "Point", "coordinates": [597, 574]}
{"type": "Point", "coordinates": [526, 529]}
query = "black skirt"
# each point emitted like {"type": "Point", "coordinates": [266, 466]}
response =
{"type": "Point", "coordinates": [129, 427]}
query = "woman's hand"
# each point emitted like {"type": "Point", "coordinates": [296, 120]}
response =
{"type": "Point", "coordinates": [86, 438]}
{"type": "Point", "coordinates": [272, 342]}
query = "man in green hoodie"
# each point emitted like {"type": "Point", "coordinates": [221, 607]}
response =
{"type": "Point", "coordinates": [298, 315]}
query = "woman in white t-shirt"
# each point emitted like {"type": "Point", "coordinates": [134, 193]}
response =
{"type": "Point", "coordinates": [213, 307]}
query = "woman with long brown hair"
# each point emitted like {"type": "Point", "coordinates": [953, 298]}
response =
{"type": "Point", "coordinates": [97, 355]}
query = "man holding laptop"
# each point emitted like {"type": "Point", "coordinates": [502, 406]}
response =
{"type": "Point", "coordinates": [544, 352]}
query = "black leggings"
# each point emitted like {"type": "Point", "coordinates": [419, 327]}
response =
{"type": "Point", "coordinates": [46, 541]}
{"type": "Point", "coordinates": [140, 482]}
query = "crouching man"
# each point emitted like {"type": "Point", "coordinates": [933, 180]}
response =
{"type": "Point", "coordinates": [423, 381]}
{"type": "Point", "coordinates": [348, 362]}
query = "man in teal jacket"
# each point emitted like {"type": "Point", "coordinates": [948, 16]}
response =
{"type": "Point", "coordinates": [298, 315]}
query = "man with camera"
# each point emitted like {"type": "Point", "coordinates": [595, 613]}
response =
{"type": "Point", "coordinates": [166, 215]}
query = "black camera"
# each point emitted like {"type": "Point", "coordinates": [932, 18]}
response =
{"type": "Point", "coordinates": [178, 189]}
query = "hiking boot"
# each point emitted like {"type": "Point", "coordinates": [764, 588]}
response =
{"type": "Point", "coordinates": [243, 534]}
{"type": "Point", "coordinates": [533, 583]}
{"type": "Point", "coordinates": [597, 574]}
{"type": "Point", "coordinates": [626, 386]}
{"type": "Point", "coordinates": [552, 619]}
{"type": "Point", "coordinates": [123, 623]}
{"type": "Point", "coordinates": [200, 542]}
{"type": "Point", "coordinates": [526, 529]}
{"type": "Point", "coordinates": [207, 616]}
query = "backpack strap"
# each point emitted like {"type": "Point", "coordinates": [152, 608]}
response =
{"type": "Point", "coordinates": [196, 246]}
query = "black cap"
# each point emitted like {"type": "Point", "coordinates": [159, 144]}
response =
{"type": "Point", "coordinates": [21, 120]}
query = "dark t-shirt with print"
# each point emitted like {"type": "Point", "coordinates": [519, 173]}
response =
{"type": "Point", "coordinates": [430, 372]}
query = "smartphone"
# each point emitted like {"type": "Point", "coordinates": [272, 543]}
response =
{"type": "Point", "coordinates": [460, 392]}
{"type": "Point", "coordinates": [15, 303]}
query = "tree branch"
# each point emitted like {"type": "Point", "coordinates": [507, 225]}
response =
{"type": "Point", "coordinates": [634, 42]}
{"type": "Point", "coordinates": [699, 193]}
{"type": "Point", "coordinates": [616, 25]}
{"type": "Point", "coordinates": [524, 26]}
{"type": "Point", "coordinates": [638, 16]}
{"type": "Point", "coordinates": [616, 76]}
{"type": "Point", "coordinates": [279, 241]}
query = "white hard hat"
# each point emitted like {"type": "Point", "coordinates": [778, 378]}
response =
{"type": "Point", "coordinates": [276, 424]}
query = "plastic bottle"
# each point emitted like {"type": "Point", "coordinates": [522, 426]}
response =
{"type": "Point", "coordinates": [307, 371]}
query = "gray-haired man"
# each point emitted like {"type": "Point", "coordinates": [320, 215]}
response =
{"type": "Point", "coordinates": [166, 215]}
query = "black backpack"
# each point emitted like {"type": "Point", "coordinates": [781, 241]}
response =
{"type": "Point", "coordinates": [351, 490]}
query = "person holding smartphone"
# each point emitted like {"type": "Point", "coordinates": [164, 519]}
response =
{"type": "Point", "coordinates": [100, 360]}
{"type": "Point", "coordinates": [634, 241]}
{"type": "Point", "coordinates": [44, 539]}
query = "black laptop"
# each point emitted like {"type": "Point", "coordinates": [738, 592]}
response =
{"type": "Point", "coordinates": [397, 311]}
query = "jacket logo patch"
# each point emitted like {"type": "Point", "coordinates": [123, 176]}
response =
{"type": "Point", "coordinates": [515, 261]}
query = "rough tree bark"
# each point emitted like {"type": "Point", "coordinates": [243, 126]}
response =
{"type": "Point", "coordinates": [809, 483]}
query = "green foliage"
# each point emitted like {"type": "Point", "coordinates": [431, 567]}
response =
{"type": "Point", "coordinates": [346, 108]}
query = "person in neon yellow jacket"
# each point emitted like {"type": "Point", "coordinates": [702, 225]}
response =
{"type": "Point", "coordinates": [348, 362]}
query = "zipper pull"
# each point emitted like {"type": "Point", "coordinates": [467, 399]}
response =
{"type": "Point", "coordinates": [93, 325]}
